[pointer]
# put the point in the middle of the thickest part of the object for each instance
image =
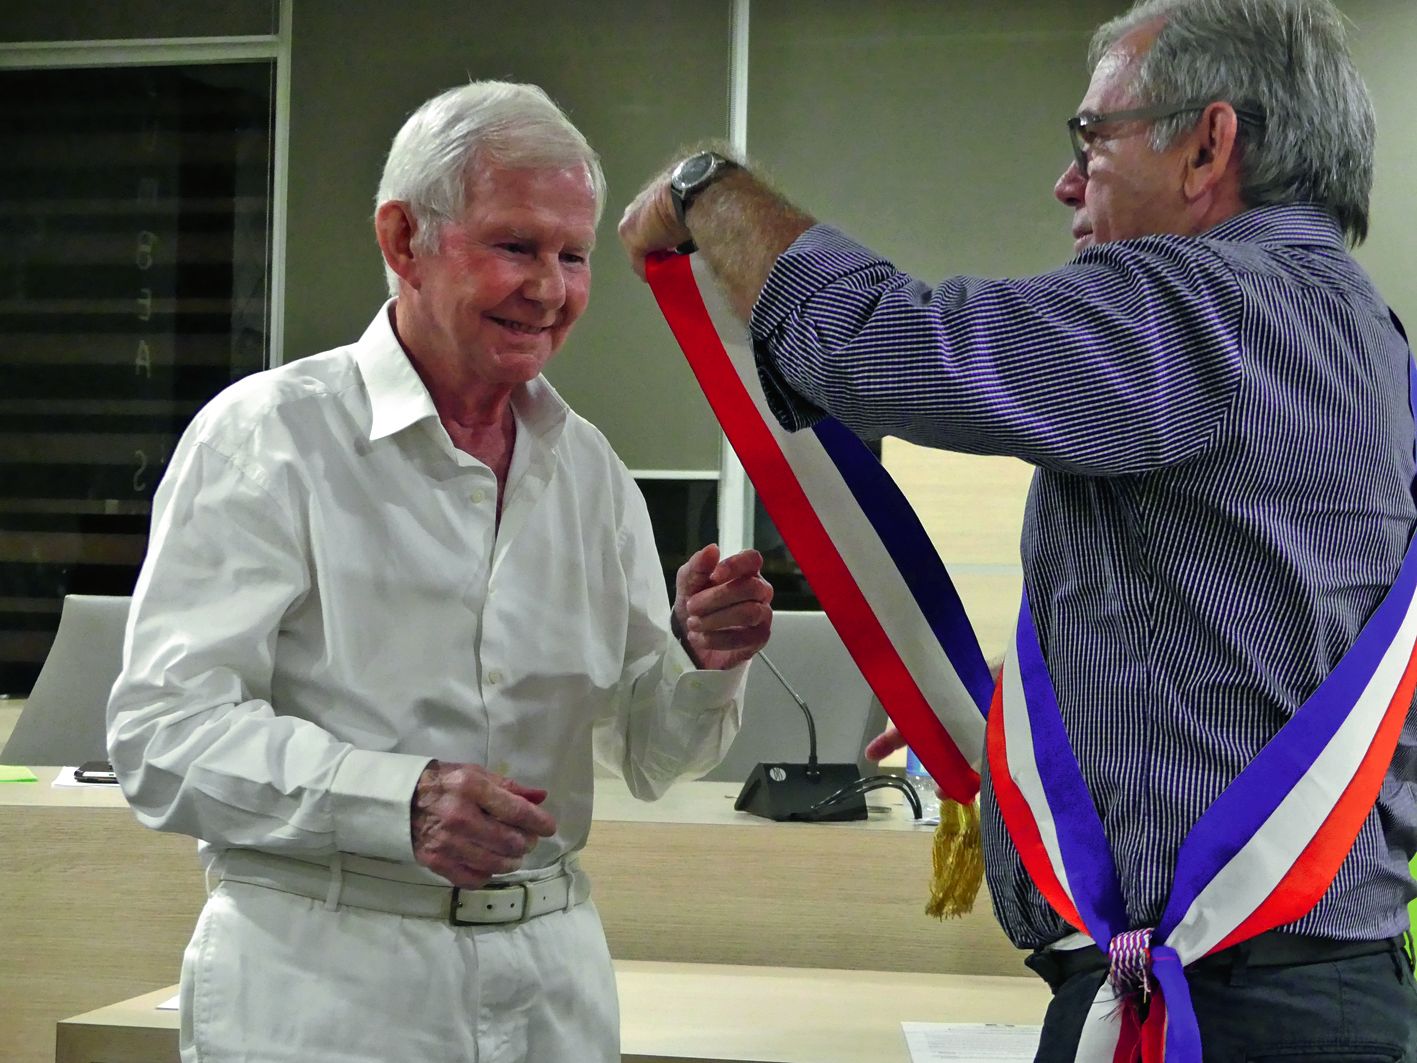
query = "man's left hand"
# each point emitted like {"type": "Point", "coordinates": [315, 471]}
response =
{"type": "Point", "coordinates": [722, 610]}
{"type": "Point", "coordinates": [649, 223]}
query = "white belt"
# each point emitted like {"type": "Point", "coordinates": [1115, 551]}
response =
{"type": "Point", "coordinates": [503, 902]}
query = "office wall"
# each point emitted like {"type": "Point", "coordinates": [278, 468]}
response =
{"type": "Point", "coordinates": [638, 78]}
{"type": "Point", "coordinates": [1384, 37]}
{"type": "Point", "coordinates": [84, 20]}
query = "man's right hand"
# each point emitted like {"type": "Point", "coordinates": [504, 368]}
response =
{"type": "Point", "coordinates": [469, 824]}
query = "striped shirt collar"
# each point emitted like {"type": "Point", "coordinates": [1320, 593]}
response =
{"type": "Point", "coordinates": [1283, 223]}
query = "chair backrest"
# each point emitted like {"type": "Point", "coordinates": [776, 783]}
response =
{"type": "Point", "coordinates": [63, 718]}
{"type": "Point", "coordinates": [810, 655]}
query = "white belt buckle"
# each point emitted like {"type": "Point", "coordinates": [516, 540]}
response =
{"type": "Point", "coordinates": [455, 905]}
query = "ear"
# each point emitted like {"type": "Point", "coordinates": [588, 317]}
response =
{"type": "Point", "coordinates": [394, 225]}
{"type": "Point", "coordinates": [1212, 163]}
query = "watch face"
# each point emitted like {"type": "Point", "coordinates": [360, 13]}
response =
{"type": "Point", "coordinates": [693, 169]}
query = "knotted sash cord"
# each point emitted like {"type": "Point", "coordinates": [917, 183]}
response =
{"type": "Point", "coordinates": [1260, 856]}
{"type": "Point", "coordinates": [857, 540]}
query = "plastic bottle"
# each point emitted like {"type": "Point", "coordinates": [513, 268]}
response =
{"type": "Point", "coordinates": [919, 778]}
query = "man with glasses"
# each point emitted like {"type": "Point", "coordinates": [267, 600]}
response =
{"type": "Point", "coordinates": [1216, 400]}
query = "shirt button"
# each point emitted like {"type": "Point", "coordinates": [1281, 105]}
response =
{"type": "Point", "coordinates": [494, 677]}
{"type": "Point", "coordinates": [479, 496]}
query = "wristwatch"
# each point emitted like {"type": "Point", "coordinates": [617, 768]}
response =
{"type": "Point", "coordinates": [695, 174]}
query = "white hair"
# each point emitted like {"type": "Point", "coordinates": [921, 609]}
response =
{"type": "Point", "coordinates": [442, 144]}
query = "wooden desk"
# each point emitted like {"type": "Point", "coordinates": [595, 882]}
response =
{"type": "Point", "coordinates": [687, 1013]}
{"type": "Point", "coordinates": [95, 908]}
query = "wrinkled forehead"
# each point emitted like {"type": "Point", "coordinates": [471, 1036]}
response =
{"type": "Point", "coordinates": [567, 192]}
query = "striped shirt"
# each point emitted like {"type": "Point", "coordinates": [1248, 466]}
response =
{"type": "Point", "coordinates": [1224, 453]}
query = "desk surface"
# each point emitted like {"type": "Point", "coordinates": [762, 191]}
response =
{"type": "Point", "coordinates": [99, 908]}
{"type": "Point", "coordinates": [694, 1013]}
{"type": "Point", "coordinates": [702, 803]}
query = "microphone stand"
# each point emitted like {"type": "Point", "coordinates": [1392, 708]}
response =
{"type": "Point", "coordinates": [812, 792]}
{"type": "Point", "coordinates": [813, 772]}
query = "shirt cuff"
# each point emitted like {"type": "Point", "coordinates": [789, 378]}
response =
{"type": "Point", "coordinates": [709, 689]}
{"type": "Point", "coordinates": [371, 796]}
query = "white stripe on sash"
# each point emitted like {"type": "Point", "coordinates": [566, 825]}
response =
{"type": "Point", "coordinates": [878, 578]}
{"type": "Point", "coordinates": [1018, 736]}
{"type": "Point", "coordinates": [1252, 874]}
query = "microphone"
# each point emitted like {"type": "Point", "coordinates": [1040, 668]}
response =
{"type": "Point", "coordinates": [810, 792]}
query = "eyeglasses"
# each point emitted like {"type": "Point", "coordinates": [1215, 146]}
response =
{"type": "Point", "coordinates": [1081, 126]}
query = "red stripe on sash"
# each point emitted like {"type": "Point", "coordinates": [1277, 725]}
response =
{"type": "Point", "coordinates": [1153, 1031]}
{"type": "Point", "coordinates": [683, 307]}
{"type": "Point", "coordinates": [1018, 817]}
{"type": "Point", "coordinates": [1129, 1033]}
{"type": "Point", "coordinates": [1313, 872]}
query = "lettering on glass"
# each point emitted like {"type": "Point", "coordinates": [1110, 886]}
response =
{"type": "Point", "coordinates": [145, 468]}
{"type": "Point", "coordinates": [143, 363]}
{"type": "Point", "coordinates": [143, 253]}
{"type": "Point", "coordinates": [140, 475]}
{"type": "Point", "coordinates": [145, 304]}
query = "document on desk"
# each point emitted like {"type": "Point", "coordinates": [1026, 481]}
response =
{"type": "Point", "coordinates": [938, 1042]}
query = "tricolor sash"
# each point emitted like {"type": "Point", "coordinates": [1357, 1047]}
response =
{"type": "Point", "coordinates": [858, 542]}
{"type": "Point", "coordinates": [1259, 857]}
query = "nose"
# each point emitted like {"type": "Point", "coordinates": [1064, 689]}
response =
{"type": "Point", "coordinates": [1070, 186]}
{"type": "Point", "coordinates": [545, 283]}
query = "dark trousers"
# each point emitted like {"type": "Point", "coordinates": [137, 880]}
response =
{"type": "Point", "coordinates": [1276, 999]}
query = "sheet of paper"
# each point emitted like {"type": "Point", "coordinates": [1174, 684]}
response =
{"type": "Point", "coordinates": [66, 779]}
{"type": "Point", "coordinates": [16, 773]}
{"type": "Point", "coordinates": [938, 1042]}
{"type": "Point", "coordinates": [170, 1004]}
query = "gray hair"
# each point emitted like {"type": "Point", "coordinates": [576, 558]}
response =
{"type": "Point", "coordinates": [442, 144]}
{"type": "Point", "coordinates": [1288, 58]}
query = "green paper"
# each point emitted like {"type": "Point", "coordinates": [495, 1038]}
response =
{"type": "Point", "coordinates": [10, 773]}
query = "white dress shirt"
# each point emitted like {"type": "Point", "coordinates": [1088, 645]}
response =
{"type": "Point", "coordinates": [328, 603]}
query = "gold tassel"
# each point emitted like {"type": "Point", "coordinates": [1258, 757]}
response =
{"type": "Point", "coordinates": [957, 859]}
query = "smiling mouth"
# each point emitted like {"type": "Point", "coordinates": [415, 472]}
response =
{"type": "Point", "coordinates": [518, 326]}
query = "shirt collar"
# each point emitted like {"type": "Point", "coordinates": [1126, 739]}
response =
{"type": "Point", "coordinates": [398, 398]}
{"type": "Point", "coordinates": [1282, 223]}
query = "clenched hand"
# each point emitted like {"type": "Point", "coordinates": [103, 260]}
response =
{"type": "Point", "coordinates": [469, 824]}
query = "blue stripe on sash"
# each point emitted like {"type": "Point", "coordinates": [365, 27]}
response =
{"type": "Point", "coordinates": [1087, 858]}
{"type": "Point", "coordinates": [909, 547]}
{"type": "Point", "coordinates": [1183, 1038]}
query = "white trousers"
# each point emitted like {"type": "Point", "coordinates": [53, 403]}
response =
{"type": "Point", "coordinates": [270, 977]}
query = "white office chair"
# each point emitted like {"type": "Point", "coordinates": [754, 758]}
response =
{"type": "Point", "coordinates": [63, 718]}
{"type": "Point", "coordinates": [809, 653]}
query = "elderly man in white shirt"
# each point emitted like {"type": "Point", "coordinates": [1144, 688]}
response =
{"type": "Point", "coordinates": [398, 598]}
